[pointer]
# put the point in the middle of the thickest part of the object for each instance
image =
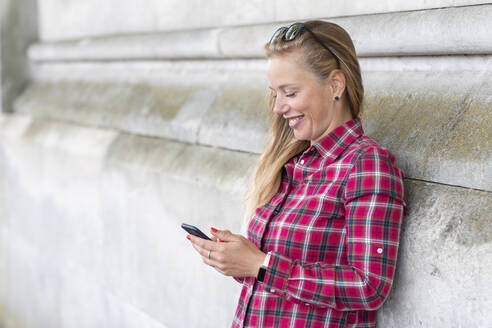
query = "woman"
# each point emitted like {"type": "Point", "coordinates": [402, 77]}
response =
{"type": "Point", "coordinates": [327, 202]}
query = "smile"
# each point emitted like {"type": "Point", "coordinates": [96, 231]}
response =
{"type": "Point", "coordinates": [294, 121]}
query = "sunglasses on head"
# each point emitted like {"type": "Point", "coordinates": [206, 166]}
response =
{"type": "Point", "coordinates": [291, 32]}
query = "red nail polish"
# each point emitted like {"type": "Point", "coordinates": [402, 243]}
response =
{"type": "Point", "coordinates": [221, 240]}
{"type": "Point", "coordinates": [213, 229]}
{"type": "Point", "coordinates": [188, 237]}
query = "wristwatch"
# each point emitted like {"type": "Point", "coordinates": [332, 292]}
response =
{"type": "Point", "coordinates": [262, 270]}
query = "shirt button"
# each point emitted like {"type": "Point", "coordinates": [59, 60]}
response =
{"type": "Point", "coordinates": [302, 162]}
{"type": "Point", "coordinates": [380, 250]}
{"type": "Point", "coordinates": [307, 304]}
{"type": "Point", "coordinates": [272, 290]}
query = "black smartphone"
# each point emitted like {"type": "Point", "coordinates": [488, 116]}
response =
{"type": "Point", "coordinates": [192, 230]}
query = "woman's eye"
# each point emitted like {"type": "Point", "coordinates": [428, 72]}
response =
{"type": "Point", "coordinates": [290, 94]}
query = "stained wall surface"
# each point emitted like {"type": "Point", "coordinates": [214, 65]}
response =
{"type": "Point", "coordinates": [126, 129]}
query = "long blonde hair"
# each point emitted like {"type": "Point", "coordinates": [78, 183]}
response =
{"type": "Point", "coordinates": [282, 145]}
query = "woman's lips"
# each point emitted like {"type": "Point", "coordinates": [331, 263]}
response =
{"type": "Point", "coordinates": [294, 121]}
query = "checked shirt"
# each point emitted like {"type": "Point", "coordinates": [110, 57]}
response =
{"type": "Point", "coordinates": [333, 231]}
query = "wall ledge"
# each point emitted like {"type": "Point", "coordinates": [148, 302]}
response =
{"type": "Point", "coordinates": [449, 31]}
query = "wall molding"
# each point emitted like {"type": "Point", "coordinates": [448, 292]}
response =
{"type": "Point", "coordinates": [449, 31]}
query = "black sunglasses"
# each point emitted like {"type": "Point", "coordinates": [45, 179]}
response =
{"type": "Point", "coordinates": [291, 32]}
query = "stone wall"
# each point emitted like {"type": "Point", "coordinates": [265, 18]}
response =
{"type": "Point", "coordinates": [18, 29]}
{"type": "Point", "coordinates": [73, 19]}
{"type": "Point", "coordinates": [115, 142]}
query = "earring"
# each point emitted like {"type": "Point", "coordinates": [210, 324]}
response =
{"type": "Point", "coordinates": [337, 98]}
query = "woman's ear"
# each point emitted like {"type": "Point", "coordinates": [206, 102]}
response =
{"type": "Point", "coordinates": [337, 82]}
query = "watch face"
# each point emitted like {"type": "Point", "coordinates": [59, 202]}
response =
{"type": "Point", "coordinates": [261, 274]}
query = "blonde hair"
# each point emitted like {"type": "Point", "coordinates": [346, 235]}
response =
{"type": "Point", "coordinates": [282, 145]}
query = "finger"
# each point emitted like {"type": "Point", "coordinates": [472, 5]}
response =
{"type": "Point", "coordinates": [217, 239]}
{"type": "Point", "coordinates": [202, 251]}
{"type": "Point", "coordinates": [220, 271]}
{"type": "Point", "coordinates": [205, 253]}
{"type": "Point", "coordinates": [224, 235]}
{"type": "Point", "coordinates": [213, 262]}
{"type": "Point", "coordinates": [216, 265]}
{"type": "Point", "coordinates": [198, 249]}
{"type": "Point", "coordinates": [203, 243]}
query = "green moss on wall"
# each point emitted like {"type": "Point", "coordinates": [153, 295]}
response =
{"type": "Point", "coordinates": [246, 105]}
{"type": "Point", "coordinates": [451, 127]}
{"type": "Point", "coordinates": [102, 103]}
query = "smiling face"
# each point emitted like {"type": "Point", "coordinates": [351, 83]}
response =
{"type": "Point", "coordinates": [302, 99]}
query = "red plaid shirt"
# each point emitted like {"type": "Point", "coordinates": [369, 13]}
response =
{"type": "Point", "coordinates": [333, 231]}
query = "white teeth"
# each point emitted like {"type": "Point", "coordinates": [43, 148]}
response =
{"type": "Point", "coordinates": [293, 121]}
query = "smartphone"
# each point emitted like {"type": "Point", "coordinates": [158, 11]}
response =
{"type": "Point", "coordinates": [192, 230]}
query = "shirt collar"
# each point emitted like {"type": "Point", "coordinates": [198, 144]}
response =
{"type": "Point", "coordinates": [333, 144]}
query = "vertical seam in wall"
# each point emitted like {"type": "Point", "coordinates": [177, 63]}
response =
{"type": "Point", "coordinates": [203, 114]}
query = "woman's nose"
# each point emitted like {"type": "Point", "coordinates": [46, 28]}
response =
{"type": "Point", "coordinates": [280, 106]}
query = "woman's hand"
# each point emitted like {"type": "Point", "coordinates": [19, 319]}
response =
{"type": "Point", "coordinates": [230, 254]}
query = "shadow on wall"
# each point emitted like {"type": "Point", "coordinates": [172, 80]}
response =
{"type": "Point", "coordinates": [19, 28]}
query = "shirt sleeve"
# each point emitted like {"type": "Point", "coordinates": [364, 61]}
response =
{"type": "Point", "coordinates": [374, 209]}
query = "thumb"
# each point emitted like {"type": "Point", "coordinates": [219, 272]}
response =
{"type": "Point", "coordinates": [223, 235]}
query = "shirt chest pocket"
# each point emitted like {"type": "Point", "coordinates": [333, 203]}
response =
{"type": "Point", "coordinates": [315, 199]}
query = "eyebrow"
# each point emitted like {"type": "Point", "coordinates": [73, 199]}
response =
{"type": "Point", "coordinates": [283, 86]}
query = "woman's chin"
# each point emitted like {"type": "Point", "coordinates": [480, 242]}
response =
{"type": "Point", "coordinates": [298, 135]}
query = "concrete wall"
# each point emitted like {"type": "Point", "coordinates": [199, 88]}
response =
{"type": "Point", "coordinates": [73, 19]}
{"type": "Point", "coordinates": [18, 29]}
{"type": "Point", "coordinates": [431, 32]}
{"type": "Point", "coordinates": [114, 143]}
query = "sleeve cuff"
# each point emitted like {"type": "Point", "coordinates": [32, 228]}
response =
{"type": "Point", "coordinates": [313, 285]}
{"type": "Point", "coordinates": [277, 273]}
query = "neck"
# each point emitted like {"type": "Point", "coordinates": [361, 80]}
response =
{"type": "Point", "coordinates": [342, 114]}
